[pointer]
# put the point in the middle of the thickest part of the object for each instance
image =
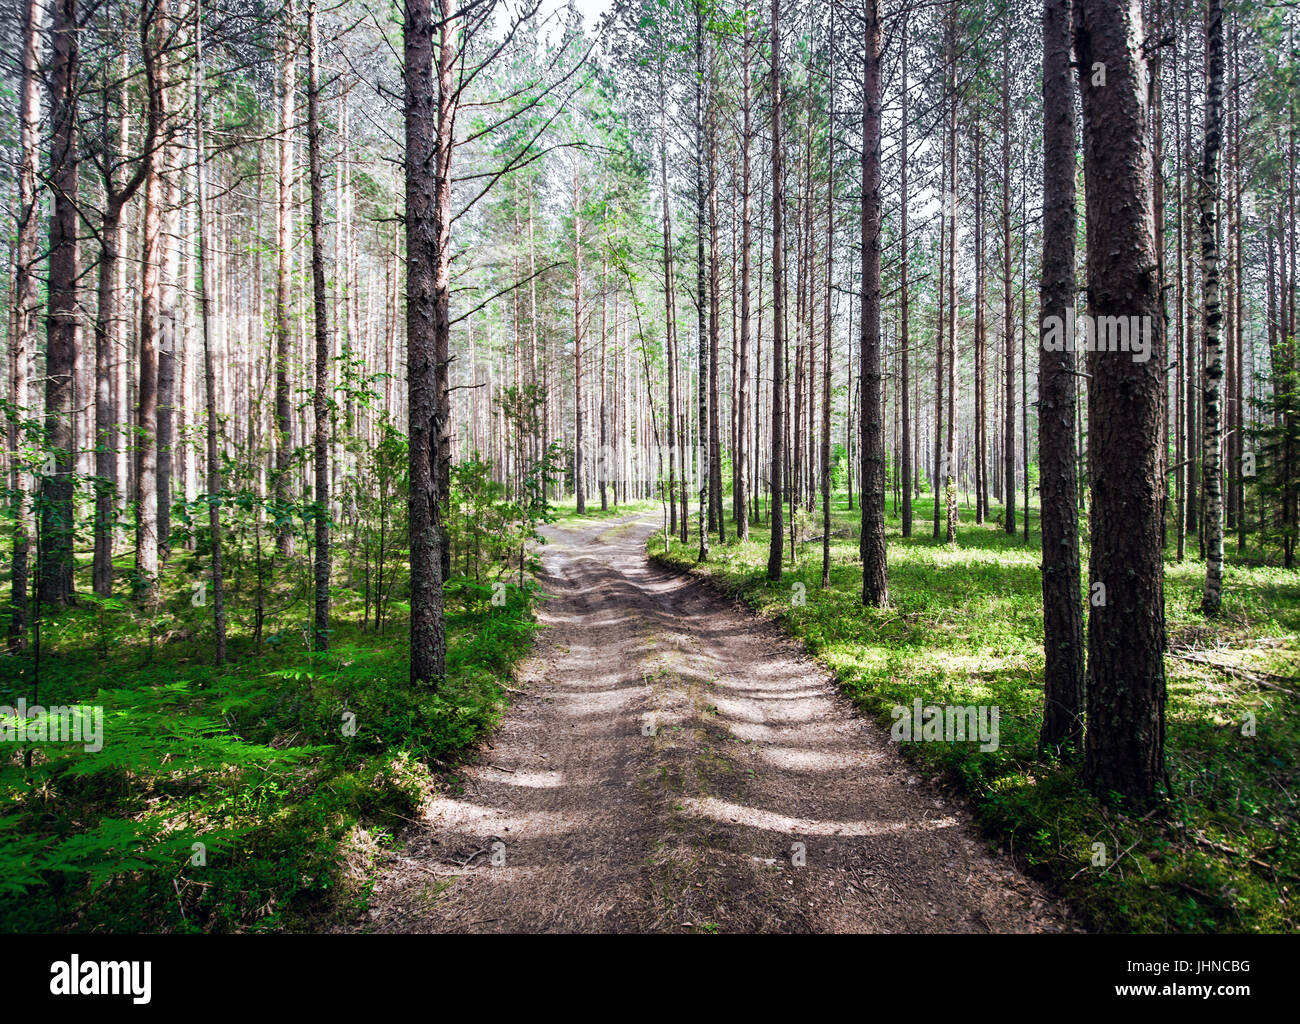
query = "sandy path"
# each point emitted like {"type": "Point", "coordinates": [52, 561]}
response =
{"type": "Point", "coordinates": [672, 750]}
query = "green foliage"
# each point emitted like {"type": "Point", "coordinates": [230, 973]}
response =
{"type": "Point", "coordinates": [272, 763]}
{"type": "Point", "coordinates": [965, 628]}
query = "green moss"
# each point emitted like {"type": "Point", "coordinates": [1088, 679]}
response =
{"type": "Point", "coordinates": [270, 763]}
{"type": "Point", "coordinates": [964, 626]}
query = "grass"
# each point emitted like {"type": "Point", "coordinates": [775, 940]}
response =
{"type": "Point", "coordinates": [255, 797]}
{"type": "Point", "coordinates": [566, 510]}
{"type": "Point", "coordinates": [964, 627]}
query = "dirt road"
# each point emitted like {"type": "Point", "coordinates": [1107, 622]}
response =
{"type": "Point", "coordinates": [678, 765]}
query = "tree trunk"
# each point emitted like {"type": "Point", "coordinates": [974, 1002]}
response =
{"type": "Point", "coordinates": [826, 326]}
{"type": "Point", "coordinates": [448, 27]}
{"type": "Point", "coordinates": [283, 298]}
{"type": "Point", "coordinates": [950, 457]}
{"type": "Point", "coordinates": [24, 338]}
{"type": "Point", "coordinates": [56, 536]}
{"type": "Point", "coordinates": [1063, 650]}
{"type": "Point", "coordinates": [321, 389]}
{"type": "Point", "coordinates": [1008, 312]}
{"type": "Point", "coordinates": [905, 343]}
{"type": "Point", "coordinates": [579, 455]}
{"type": "Point", "coordinates": [716, 513]}
{"type": "Point", "coordinates": [774, 553]}
{"type": "Point", "coordinates": [701, 295]}
{"type": "Point", "coordinates": [428, 633]}
{"type": "Point", "coordinates": [209, 367]}
{"type": "Point", "coordinates": [1126, 627]}
{"type": "Point", "coordinates": [743, 450]}
{"type": "Point", "coordinates": [1211, 421]}
{"type": "Point", "coordinates": [875, 586]}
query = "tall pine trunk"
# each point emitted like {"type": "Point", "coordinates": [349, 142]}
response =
{"type": "Point", "coordinates": [1124, 745]}
{"type": "Point", "coordinates": [55, 584]}
{"type": "Point", "coordinates": [1211, 420]}
{"type": "Point", "coordinates": [875, 586]}
{"type": "Point", "coordinates": [1063, 649]}
{"type": "Point", "coordinates": [774, 552]}
{"type": "Point", "coordinates": [428, 631]}
{"type": "Point", "coordinates": [321, 388]}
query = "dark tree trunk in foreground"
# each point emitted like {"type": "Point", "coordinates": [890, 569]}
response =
{"type": "Point", "coordinates": [1212, 419]}
{"type": "Point", "coordinates": [950, 450]}
{"type": "Point", "coordinates": [826, 324]}
{"type": "Point", "coordinates": [743, 451]}
{"type": "Point", "coordinates": [209, 367]}
{"type": "Point", "coordinates": [55, 582]}
{"type": "Point", "coordinates": [1008, 331]}
{"type": "Point", "coordinates": [904, 371]}
{"type": "Point", "coordinates": [701, 295]}
{"type": "Point", "coordinates": [1126, 630]}
{"type": "Point", "coordinates": [1063, 648]}
{"type": "Point", "coordinates": [428, 633]}
{"type": "Point", "coordinates": [320, 395]}
{"type": "Point", "coordinates": [579, 454]}
{"type": "Point", "coordinates": [774, 552]}
{"type": "Point", "coordinates": [875, 585]}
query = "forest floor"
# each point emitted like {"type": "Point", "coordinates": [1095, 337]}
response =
{"type": "Point", "coordinates": [677, 764]}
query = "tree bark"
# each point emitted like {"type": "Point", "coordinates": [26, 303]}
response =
{"type": "Point", "coordinates": [905, 343]}
{"type": "Point", "coordinates": [24, 338]}
{"type": "Point", "coordinates": [283, 270]}
{"type": "Point", "coordinates": [428, 631]}
{"type": "Point", "coordinates": [1063, 649]}
{"type": "Point", "coordinates": [321, 389]}
{"type": "Point", "coordinates": [209, 367]}
{"type": "Point", "coordinates": [743, 452]}
{"type": "Point", "coordinates": [55, 584]}
{"type": "Point", "coordinates": [775, 545]}
{"type": "Point", "coordinates": [1211, 420]}
{"type": "Point", "coordinates": [875, 586]}
{"type": "Point", "coordinates": [1124, 745]}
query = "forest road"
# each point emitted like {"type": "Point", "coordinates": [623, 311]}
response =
{"type": "Point", "coordinates": [678, 765]}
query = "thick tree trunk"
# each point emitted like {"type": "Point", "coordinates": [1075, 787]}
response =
{"type": "Point", "coordinates": [826, 325]}
{"type": "Point", "coordinates": [701, 294]}
{"type": "Point", "coordinates": [428, 632]}
{"type": "Point", "coordinates": [602, 456]}
{"type": "Point", "coordinates": [321, 389]}
{"type": "Point", "coordinates": [716, 514]}
{"type": "Point", "coordinates": [774, 553]}
{"type": "Point", "coordinates": [1008, 312]}
{"type": "Point", "coordinates": [743, 449]}
{"type": "Point", "coordinates": [579, 455]}
{"type": "Point", "coordinates": [950, 456]}
{"type": "Point", "coordinates": [146, 441]}
{"type": "Point", "coordinates": [875, 586]}
{"type": "Point", "coordinates": [1063, 649]}
{"type": "Point", "coordinates": [1211, 420]}
{"type": "Point", "coordinates": [56, 537]}
{"type": "Point", "coordinates": [904, 299]}
{"type": "Point", "coordinates": [1126, 627]}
